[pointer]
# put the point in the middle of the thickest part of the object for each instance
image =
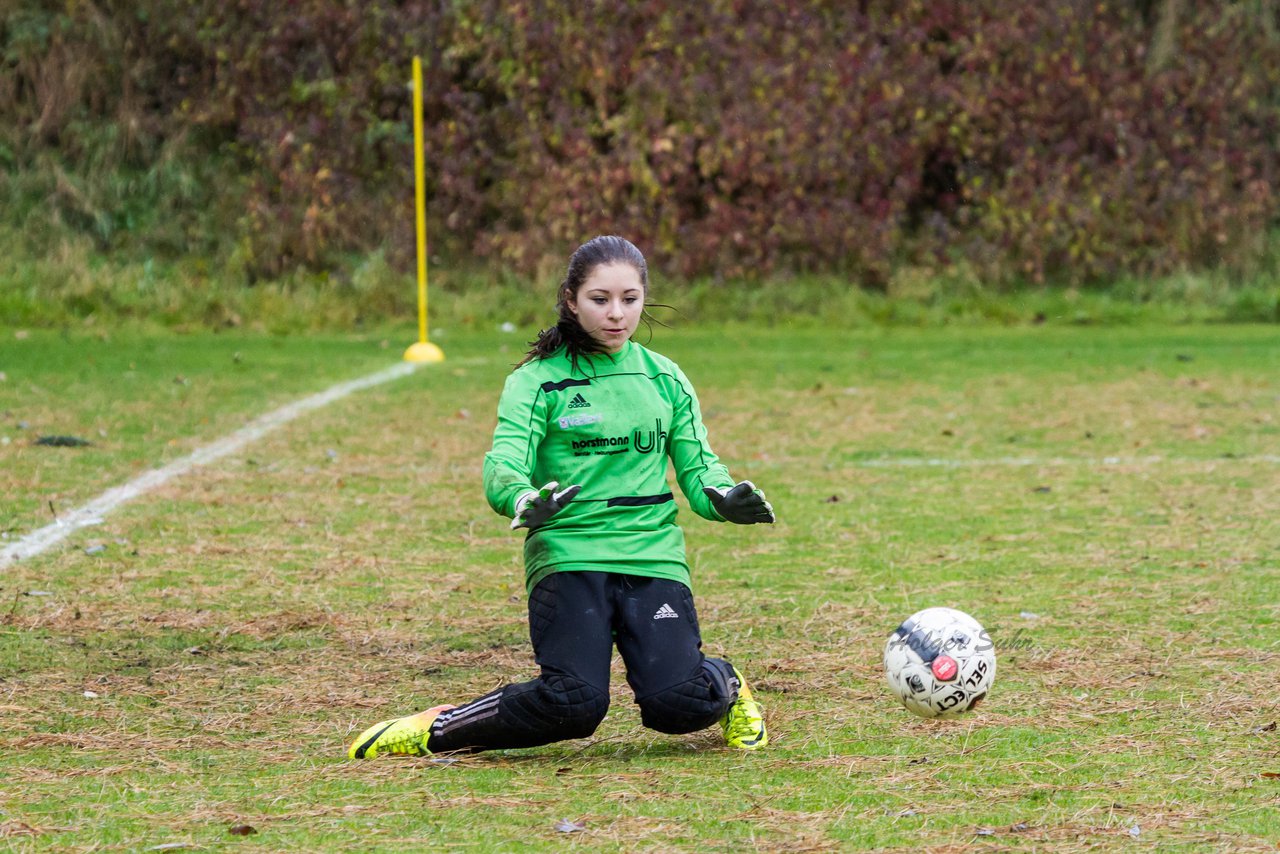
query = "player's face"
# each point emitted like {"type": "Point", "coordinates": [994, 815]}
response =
{"type": "Point", "coordinates": [609, 303]}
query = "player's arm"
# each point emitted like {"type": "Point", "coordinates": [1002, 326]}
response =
{"type": "Point", "coordinates": [508, 467]}
{"type": "Point", "coordinates": [696, 465]}
{"type": "Point", "coordinates": [522, 422]}
{"type": "Point", "coordinates": [700, 471]}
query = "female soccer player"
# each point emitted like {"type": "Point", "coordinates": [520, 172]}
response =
{"type": "Point", "coordinates": [604, 558]}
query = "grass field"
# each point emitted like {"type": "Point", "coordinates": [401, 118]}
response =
{"type": "Point", "coordinates": [1103, 500]}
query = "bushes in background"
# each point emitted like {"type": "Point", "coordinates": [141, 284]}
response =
{"type": "Point", "coordinates": [1070, 140]}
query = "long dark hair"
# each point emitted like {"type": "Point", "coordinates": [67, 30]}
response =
{"type": "Point", "coordinates": [568, 332]}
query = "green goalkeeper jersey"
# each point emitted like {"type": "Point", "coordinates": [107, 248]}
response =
{"type": "Point", "coordinates": [611, 425]}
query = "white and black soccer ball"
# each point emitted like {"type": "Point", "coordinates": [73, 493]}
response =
{"type": "Point", "coordinates": [940, 663]}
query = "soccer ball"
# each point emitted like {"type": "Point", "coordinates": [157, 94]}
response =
{"type": "Point", "coordinates": [940, 663]}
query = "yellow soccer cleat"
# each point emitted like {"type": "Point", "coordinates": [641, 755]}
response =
{"type": "Point", "coordinates": [743, 725]}
{"type": "Point", "coordinates": [402, 736]}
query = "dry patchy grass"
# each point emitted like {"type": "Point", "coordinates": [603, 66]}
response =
{"type": "Point", "coordinates": [246, 621]}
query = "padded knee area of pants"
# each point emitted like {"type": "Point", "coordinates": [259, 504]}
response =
{"type": "Point", "coordinates": [692, 705]}
{"type": "Point", "coordinates": [559, 705]}
{"type": "Point", "coordinates": [687, 707]}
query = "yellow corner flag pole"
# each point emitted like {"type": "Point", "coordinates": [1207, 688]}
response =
{"type": "Point", "coordinates": [423, 350]}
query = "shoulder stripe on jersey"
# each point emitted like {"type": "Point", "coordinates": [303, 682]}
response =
{"type": "Point", "coordinates": [549, 386]}
{"type": "Point", "coordinates": [639, 500]}
{"type": "Point", "coordinates": [530, 450]}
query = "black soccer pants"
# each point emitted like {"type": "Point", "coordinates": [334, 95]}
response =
{"type": "Point", "coordinates": [575, 618]}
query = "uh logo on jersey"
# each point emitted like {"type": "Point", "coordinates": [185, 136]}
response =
{"type": "Point", "coordinates": [641, 441]}
{"type": "Point", "coordinates": [653, 440]}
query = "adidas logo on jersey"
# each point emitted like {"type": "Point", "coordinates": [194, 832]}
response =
{"type": "Point", "coordinates": [666, 612]}
{"type": "Point", "coordinates": [578, 402]}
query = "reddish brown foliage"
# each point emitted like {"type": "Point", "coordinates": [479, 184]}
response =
{"type": "Point", "coordinates": [729, 137]}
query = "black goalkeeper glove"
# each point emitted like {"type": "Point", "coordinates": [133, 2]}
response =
{"type": "Point", "coordinates": [743, 504]}
{"type": "Point", "coordinates": [533, 509]}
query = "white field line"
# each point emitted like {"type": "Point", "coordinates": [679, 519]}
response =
{"type": "Point", "coordinates": [93, 512]}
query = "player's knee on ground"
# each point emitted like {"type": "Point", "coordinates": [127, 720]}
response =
{"type": "Point", "coordinates": [691, 705]}
{"type": "Point", "coordinates": [562, 705]}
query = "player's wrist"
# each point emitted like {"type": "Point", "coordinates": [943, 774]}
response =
{"type": "Point", "coordinates": [522, 501]}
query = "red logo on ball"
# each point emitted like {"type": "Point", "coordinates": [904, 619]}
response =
{"type": "Point", "coordinates": [945, 668]}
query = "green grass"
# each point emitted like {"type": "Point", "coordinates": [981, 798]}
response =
{"type": "Point", "coordinates": [1103, 499]}
{"type": "Point", "coordinates": [72, 283]}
